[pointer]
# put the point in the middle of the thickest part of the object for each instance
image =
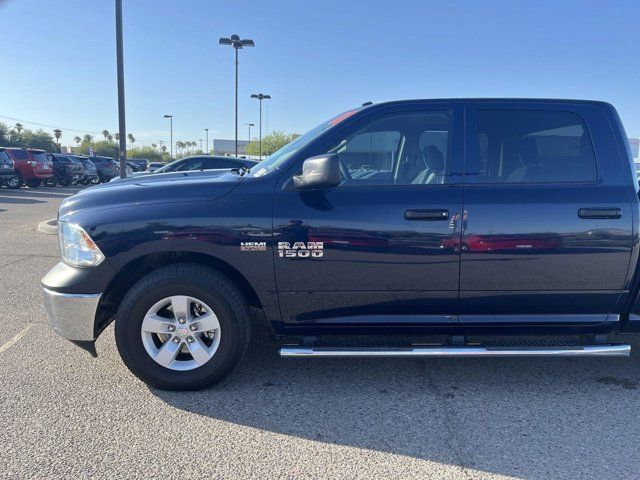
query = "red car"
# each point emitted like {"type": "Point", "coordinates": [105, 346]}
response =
{"type": "Point", "coordinates": [33, 167]}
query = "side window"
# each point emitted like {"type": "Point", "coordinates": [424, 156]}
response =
{"type": "Point", "coordinates": [534, 146]}
{"type": "Point", "coordinates": [403, 149]}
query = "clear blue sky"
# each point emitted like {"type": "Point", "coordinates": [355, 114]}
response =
{"type": "Point", "coordinates": [315, 58]}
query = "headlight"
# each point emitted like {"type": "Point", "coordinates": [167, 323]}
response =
{"type": "Point", "coordinates": [76, 246]}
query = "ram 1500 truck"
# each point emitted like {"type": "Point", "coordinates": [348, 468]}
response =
{"type": "Point", "coordinates": [504, 227]}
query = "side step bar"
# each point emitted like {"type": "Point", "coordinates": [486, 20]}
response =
{"type": "Point", "coordinates": [607, 350]}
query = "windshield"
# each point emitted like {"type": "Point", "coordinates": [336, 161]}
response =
{"type": "Point", "coordinates": [279, 157]}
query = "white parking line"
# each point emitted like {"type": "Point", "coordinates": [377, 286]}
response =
{"type": "Point", "coordinates": [15, 339]}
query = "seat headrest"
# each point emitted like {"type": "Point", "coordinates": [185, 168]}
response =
{"type": "Point", "coordinates": [529, 151]}
{"type": "Point", "coordinates": [433, 157]}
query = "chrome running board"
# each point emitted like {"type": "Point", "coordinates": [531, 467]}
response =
{"type": "Point", "coordinates": [606, 350]}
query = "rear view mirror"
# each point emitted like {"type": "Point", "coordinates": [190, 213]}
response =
{"type": "Point", "coordinates": [322, 171]}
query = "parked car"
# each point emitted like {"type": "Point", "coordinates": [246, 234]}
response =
{"type": "Point", "coordinates": [89, 171]}
{"type": "Point", "coordinates": [153, 166]}
{"type": "Point", "coordinates": [66, 169]}
{"type": "Point", "coordinates": [107, 167]}
{"type": "Point", "coordinates": [134, 167]}
{"type": "Point", "coordinates": [347, 231]}
{"type": "Point", "coordinates": [8, 176]}
{"type": "Point", "coordinates": [32, 166]}
{"type": "Point", "coordinates": [140, 164]}
{"type": "Point", "coordinates": [203, 162]}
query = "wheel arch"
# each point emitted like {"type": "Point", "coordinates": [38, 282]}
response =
{"type": "Point", "coordinates": [133, 271]}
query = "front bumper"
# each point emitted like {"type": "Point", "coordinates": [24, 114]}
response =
{"type": "Point", "coordinates": [72, 315]}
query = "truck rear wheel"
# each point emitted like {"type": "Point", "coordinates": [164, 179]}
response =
{"type": "Point", "coordinates": [182, 327]}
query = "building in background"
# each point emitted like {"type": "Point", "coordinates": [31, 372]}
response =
{"type": "Point", "coordinates": [635, 143]}
{"type": "Point", "coordinates": [228, 147]}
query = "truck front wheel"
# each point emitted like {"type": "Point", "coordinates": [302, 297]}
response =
{"type": "Point", "coordinates": [182, 327]}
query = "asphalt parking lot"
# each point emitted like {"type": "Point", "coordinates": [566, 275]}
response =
{"type": "Point", "coordinates": [66, 415]}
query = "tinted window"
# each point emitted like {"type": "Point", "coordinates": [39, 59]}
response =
{"type": "Point", "coordinates": [406, 149]}
{"type": "Point", "coordinates": [40, 157]}
{"type": "Point", "coordinates": [20, 154]}
{"type": "Point", "coordinates": [213, 163]}
{"type": "Point", "coordinates": [522, 146]}
{"type": "Point", "coordinates": [4, 157]}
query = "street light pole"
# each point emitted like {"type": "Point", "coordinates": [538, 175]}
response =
{"type": "Point", "coordinates": [249, 125]}
{"type": "Point", "coordinates": [237, 44]}
{"type": "Point", "coordinates": [170, 117]}
{"type": "Point", "coordinates": [207, 133]}
{"type": "Point", "coordinates": [120, 74]}
{"type": "Point", "coordinates": [260, 97]}
{"type": "Point", "coordinates": [201, 145]}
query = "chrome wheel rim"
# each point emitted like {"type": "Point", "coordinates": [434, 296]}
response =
{"type": "Point", "coordinates": [180, 333]}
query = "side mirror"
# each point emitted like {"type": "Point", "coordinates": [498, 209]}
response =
{"type": "Point", "coordinates": [322, 171]}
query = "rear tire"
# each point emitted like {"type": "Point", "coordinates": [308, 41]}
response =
{"type": "Point", "coordinates": [208, 287]}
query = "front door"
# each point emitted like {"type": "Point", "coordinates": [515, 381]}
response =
{"type": "Point", "coordinates": [547, 227]}
{"type": "Point", "coordinates": [380, 248]}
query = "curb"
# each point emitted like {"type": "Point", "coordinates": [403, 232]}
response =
{"type": "Point", "coordinates": [50, 227]}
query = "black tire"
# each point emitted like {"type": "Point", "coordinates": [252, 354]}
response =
{"type": "Point", "coordinates": [13, 182]}
{"type": "Point", "coordinates": [206, 284]}
{"type": "Point", "coordinates": [33, 183]}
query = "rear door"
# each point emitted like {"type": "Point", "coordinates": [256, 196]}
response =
{"type": "Point", "coordinates": [547, 229]}
{"type": "Point", "coordinates": [380, 248]}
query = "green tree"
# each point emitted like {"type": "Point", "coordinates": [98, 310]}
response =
{"type": "Point", "coordinates": [57, 133]}
{"type": "Point", "coordinates": [131, 139]}
{"type": "Point", "coordinates": [87, 138]}
{"type": "Point", "coordinates": [77, 140]}
{"type": "Point", "coordinates": [109, 138]}
{"type": "Point", "coordinates": [105, 134]}
{"type": "Point", "coordinates": [270, 143]}
{"type": "Point", "coordinates": [147, 152]}
{"type": "Point", "coordinates": [18, 127]}
{"type": "Point", "coordinates": [116, 136]}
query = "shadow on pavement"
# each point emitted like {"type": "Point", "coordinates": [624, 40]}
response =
{"type": "Point", "coordinates": [21, 199]}
{"type": "Point", "coordinates": [42, 192]}
{"type": "Point", "coordinates": [550, 416]}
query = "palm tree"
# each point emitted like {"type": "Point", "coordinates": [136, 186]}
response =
{"type": "Point", "coordinates": [110, 138]}
{"type": "Point", "coordinates": [105, 134]}
{"type": "Point", "coordinates": [154, 145]}
{"type": "Point", "coordinates": [78, 140]}
{"type": "Point", "coordinates": [57, 133]}
{"type": "Point", "coordinates": [117, 136]}
{"type": "Point", "coordinates": [87, 138]}
{"type": "Point", "coordinates": [19, 127]}
{"type": "Point", "coordinates": [131, 139]}
{"type": "Point", "coordinates": [163, 148]}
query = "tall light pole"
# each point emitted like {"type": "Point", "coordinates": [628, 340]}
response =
{"type": "Point", "coordinates": [237, 44]}
{"type": "Point", "coordinates": [207, 134]}
{"type": "Point", "coordinates": [201, 145]}
{"type": "Point", "coordinates": [260, 97]}
{"type": "Point", "coordinates": [250, 125]}
{"type": "Point", "coordinates": [120, 74]}
{"type": "Point", "coordinates": [170, 117]}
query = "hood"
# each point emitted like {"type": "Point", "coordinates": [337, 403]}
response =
{"type": "Point", "coordinates": [153, 190]}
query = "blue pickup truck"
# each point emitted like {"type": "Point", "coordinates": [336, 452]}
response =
{"type": "Point", "coordinates": [448, 228]}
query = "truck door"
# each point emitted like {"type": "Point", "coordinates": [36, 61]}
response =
{"type": "Point", "coordinates": [381, 247]}
{"type": "Point", "coordinates": [547, 230]}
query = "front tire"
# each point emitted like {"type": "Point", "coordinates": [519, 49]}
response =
{"type": "Point", "coordinates": [173, 350]}
{"type": "Point", "coordinates": [13, 182]}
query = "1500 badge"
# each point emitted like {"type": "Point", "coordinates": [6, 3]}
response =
{"type": "Point", "coordinates": [301, 250]}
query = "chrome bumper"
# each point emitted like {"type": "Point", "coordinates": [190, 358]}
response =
{"type": "Point", "coordinates": [72, 316]}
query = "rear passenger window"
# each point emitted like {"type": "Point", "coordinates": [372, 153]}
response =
{"type": "Point", "coordinates": [534, 146]}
